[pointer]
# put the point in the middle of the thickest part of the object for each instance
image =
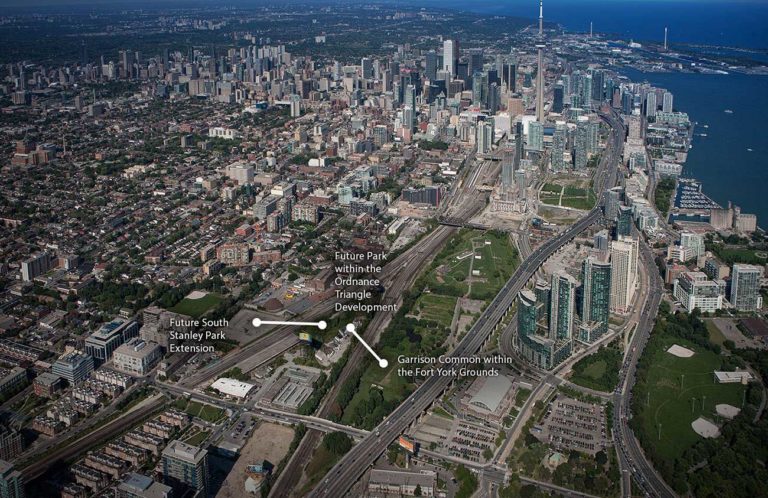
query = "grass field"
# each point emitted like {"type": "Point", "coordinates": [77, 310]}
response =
{"type": "Point", "coordinates": [675, 401]}
{"type": "Point", "coordinates": [715, 336]}
{"type": "Point", "coordinates": [198, 438]}
{"type": "Point", "coordinates": [598, 371]}
{"type": "Point", "coordinates": [197, 307]}
{"type": "Point", "coordinates": [579, 198]}
{"type": "Point", "coordinates": [436, 308]}
{"type": "Point", "coordinates": [200, 410]}
{"type": "Point", "coordinates": [551, 189]}
{"type": "Point", "coordinates": [426, 327]}
{"type": "Point", "coordinates": [521, 396]}
{"type": "Point", "coordinates": [498, 262]}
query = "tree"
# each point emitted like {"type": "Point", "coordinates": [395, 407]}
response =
{"type": "Point", "coordinates": [487, 453]}
{"type": "Point", "coordinates": [601, 458]}
{"type": "Point", "coordinates": [337, 443]}
{"type": "Point", "coordinates": [417, 491]}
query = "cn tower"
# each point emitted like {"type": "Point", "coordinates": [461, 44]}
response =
{"type": "Point", "coordinates": [540, 76]}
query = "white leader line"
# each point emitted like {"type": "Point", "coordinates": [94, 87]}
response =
{"type": "Point", "coordinates": [258, 322]}
{"type": "Point", "coordinates": [383, 363]}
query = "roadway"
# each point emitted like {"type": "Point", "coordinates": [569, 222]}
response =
{"type": "Point", "coordinates": [632, 460]}
{"type": "Point", "coordinates": [398, 276]}
{"type": "Point", "coordinates": [492, 471]}
{"type": "Point", "coordinates": [408, 266]}
{"type": "Point", "coordinates": [351, 467]}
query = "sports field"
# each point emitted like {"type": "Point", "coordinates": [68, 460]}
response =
{"type": "Point", "coordinates": [196, 307]}
{"type": "Point", "coordinates": [682, 390]}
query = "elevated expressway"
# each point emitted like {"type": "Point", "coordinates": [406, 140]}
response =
{"type": "Point", "coordinates": [397, 276]}
{"type": "Point", "coordinates": [351, 467]}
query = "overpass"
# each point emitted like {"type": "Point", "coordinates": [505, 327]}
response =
{"type": "Point", "coordinates": [351, 467]}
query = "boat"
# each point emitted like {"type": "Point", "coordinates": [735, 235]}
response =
{"type": "Point", "coordinates": [705, 126]}
{"type": "Point", "coordinates": [749, 150]}
{"type": "Point", "coordinates": [728, 111]}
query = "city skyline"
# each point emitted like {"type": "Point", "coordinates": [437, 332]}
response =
{"type": "Point", "coordinates": [324, 249]}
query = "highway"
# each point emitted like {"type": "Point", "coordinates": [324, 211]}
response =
{"type": "Point", "coordinates": [280, 339]}
{"type": "Point", "coordinates": [277, 340]}
{"type": "Point", "coordinates": [491, 471]}
{"type": "Point", "coordinates": [631, 457]}
{"type": "Point", "coordinates": [351, 467]}
{"type": "Point", "coordinates": [398, 276]}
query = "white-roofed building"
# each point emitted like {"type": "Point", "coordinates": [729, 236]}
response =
{"type": "Point", "coordinates": [739, 376]}
{"type": "Point", "coordinates": [232, 387]}
{"type": "Point", "coordinates": [489, 398]}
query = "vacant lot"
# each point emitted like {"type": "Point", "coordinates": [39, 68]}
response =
{"type": "Point", "coordinates": [268, 442]}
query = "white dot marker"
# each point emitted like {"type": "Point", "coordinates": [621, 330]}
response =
{"type": "Point", "coordinates": [383, 363]}
{"type": "Point", "coordinates": [322, 325]}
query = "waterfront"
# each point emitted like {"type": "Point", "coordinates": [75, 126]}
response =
{"type": "Point", "coordinates": [730, 159]}
{"type": "Point", "coordinates": [712, 23]}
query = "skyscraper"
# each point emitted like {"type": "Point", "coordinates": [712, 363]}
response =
{"type": "Point", "coordinates": [559, 139]}
{"type": "Point", "coordinates": [479, 88]}
{"type": "Point", "coordinates": [650, 105]}
{"type": "Point", "coordinates": [543, 293]}
{"type": "Point", "coordinates": [295, 106]}
{"type": "Point", "coordinates": [595, 293]}
{"type": "Point", "coordinates": [581, 147]}
{"type": "Point", "coordinates": [366, 66]}
{"type": "Point", "coordinates": [430, 61]}
{"type": "Point", "coordinates": [627, 100]}
{"type": "Point", "coordinates": [526, 313]}
{"type": "Point", "coordinates": [624, 221]}
{"type": "Point", "coordinates": [451, 56]}
{"type": "Point", "coordinates": [475, 61]}
{"type": "Point", "coordinates": [494, 98]}
{"type": "Point", "coordinates": [598, 85]}
{"type": "Point", "coordinates": [612, 203]}
{"type": "Point", "coordinates": [518, 144]}
{"type": "Point", "coordinates": [509, 76]}
{"type": "Point", "coordinates": [558, 95]}
{"type": "Point", "coordinates": [623, 273]}
{"type": "Point", "coordinates": [484, 137]}
{"type": "Point", "coordinates": [745, 287]}
{"type": "Point", "coordinates": [563, 306]}
{"type": "Point", "coordinates": [507, 169]}
{"type": "Point", "coordinates": [586, 91]}
{"type": "Point", "coordinates": [667, 101]}
{"type": "Point", "coordinates": [536, 136]}
{"type": "Point", "coordinates": [593, 130]}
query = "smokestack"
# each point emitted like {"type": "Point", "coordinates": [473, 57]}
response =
{"type": "Point", "coordinates": [665, 37]}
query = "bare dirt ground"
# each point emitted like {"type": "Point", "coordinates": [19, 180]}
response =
{"type": "Point", "coordinates": [268, 442]}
